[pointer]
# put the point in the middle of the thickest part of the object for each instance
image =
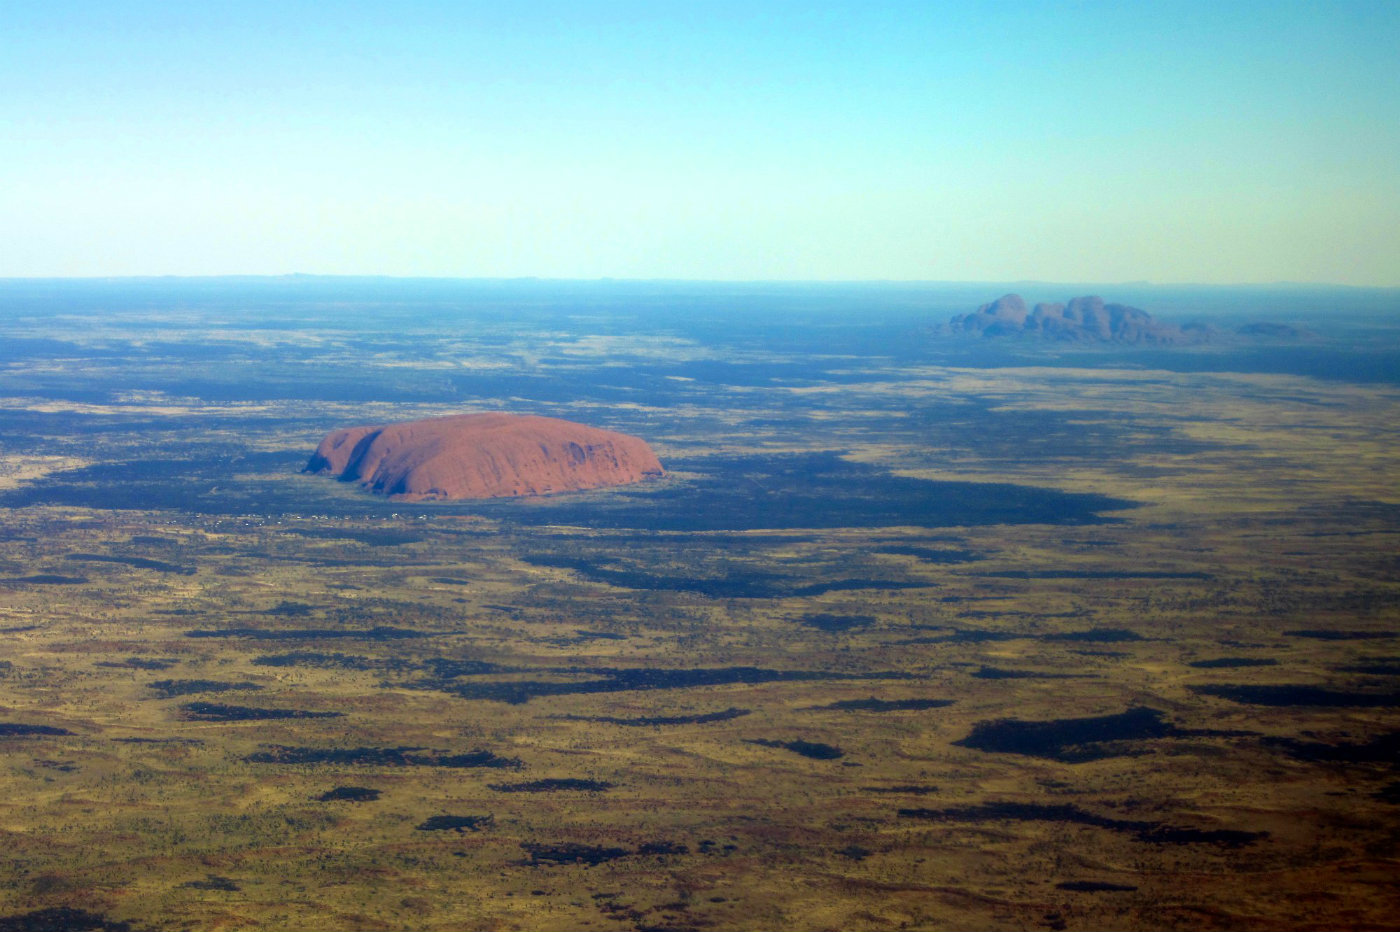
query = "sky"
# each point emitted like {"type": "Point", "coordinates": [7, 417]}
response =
{"type": "Point", "coordinates": [1207, 142]}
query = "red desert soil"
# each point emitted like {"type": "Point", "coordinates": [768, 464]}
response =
{"type": "Point", "coordinates": [492, 455]}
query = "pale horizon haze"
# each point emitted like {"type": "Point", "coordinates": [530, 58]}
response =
{"type": "Point", "coordinates": [1173, 142]}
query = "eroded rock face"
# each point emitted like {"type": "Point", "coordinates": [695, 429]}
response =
{"type": "Point", "coordinates": [1006, 314]}
{"type": "Point", "coordinates": [492, 455]}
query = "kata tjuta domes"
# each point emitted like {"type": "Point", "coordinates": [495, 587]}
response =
{"type": "Point", "coordinates": [1087, 319]}
{"type": "Point", "coordinates": [492, 455]}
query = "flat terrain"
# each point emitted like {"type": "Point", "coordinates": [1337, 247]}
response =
{"type": "Point", "coordinates": [918, 632]}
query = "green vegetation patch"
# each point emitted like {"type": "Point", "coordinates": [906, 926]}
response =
{"type": "Point", "coordinates": [1072, 740]}
{"type": "Point", "coordinates": [213, 882]}
{"type": "Point", "coordinates": [169, 689]}
{"type": "Point", "coordinates": [1225, 663]}
{"type": "Point", "coordinates": [607, 680]}
{"type": "Point", "coordinates": [382, 757]}
{"type": "Point", "coordinates": [290, 610]}
{"type": "Point", "coordinates": [139, 663]}
{"type": "Point", "coordinates": [559, 854]}
{"type": "Point", "coordinates": [836, 624]}
{"type": "Point", "coordinates": [1384, 749]}
{"type": "Point", "coordinates": [1386, 668]}
{"type": "Point", "coordinates": [312, 658]}
{"type": "Point", "coordinates": [552, 785]}
{"type": "Point", "coordinates": [373, 537]}
{"type": "Point", "coordinates": [377, 633]}
{"type": "Point", "coordinates": [999, 673]}
{"type": "Point", "coordinates": [44, 579]}
{"type": "Point", "coordinates": [349, 794]}
{"type": "Point", "coordinates": [61, 919]}
{"type": "Point", "coordinates": [1329, 634]}
{"type": "Point", "coordinates": [1153, 832]}
{"type": "Point", "coordinates": [143, 563]}
{"type": "Point", "coordinates": [1090, 574]}
{"type": "Point", "coordinates": [971, 636]}
{"type": "Point", "coordinates": [882, 705]}
{"type": "Point", "coordinates": [702, 718]}
{"type": "Point", "coordinates": [20, 730]}
{"type": "Point", "coordinates": [544, 855]}
{"type": "Point", "coordinates": [751, 584]}
{"type": "Point", "coordinates": [1097, 635]}
{"type": "Point", "coordinates": [1298, 695]}
{"type": "Point", "coordinates": [933, 554]}
{"type": "Point", "coordinates": [218, 712]}
{"type": "Point", "coordinates": [456, 823]}
{"type": "Point", "coordinates": [816, 750]}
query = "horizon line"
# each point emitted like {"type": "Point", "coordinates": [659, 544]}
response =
{"type": "Point", "coordinates": [609, 279]}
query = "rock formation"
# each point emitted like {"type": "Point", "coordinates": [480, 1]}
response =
{"type": "Point", "coordinates": [1087, 319]}
{"type": "Point", "coordinates": [1003, 316]}
{"type": "Point", "coordinates": [492, 455]}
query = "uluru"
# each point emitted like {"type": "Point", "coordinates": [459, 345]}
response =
{"type": "Point", "coordinates": [491, 455]}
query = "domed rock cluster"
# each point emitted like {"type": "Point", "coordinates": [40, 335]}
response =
{"type": "Point", "coordinates": [1086, 319]}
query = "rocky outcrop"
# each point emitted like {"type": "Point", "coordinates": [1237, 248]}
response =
{"type": "Point", "coordinates": [1005, 315]}
{"type": "Point", "coordinates": [493, 455]}
{"type": "Point", "coordinates": [1086, 319]}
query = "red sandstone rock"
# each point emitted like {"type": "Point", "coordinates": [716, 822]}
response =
{"type": "Point", "coordinates": [483, 456]}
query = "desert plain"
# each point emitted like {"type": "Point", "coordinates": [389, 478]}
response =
{"type": "Point", "coordinates": [919, 630]}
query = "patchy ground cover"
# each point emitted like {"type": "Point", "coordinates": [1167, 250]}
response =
{"type": "Point", "coordinates": [910, 636]}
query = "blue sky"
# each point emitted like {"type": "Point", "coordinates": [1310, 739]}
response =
{"type": "Point", "coordinates": [1169, 141]}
